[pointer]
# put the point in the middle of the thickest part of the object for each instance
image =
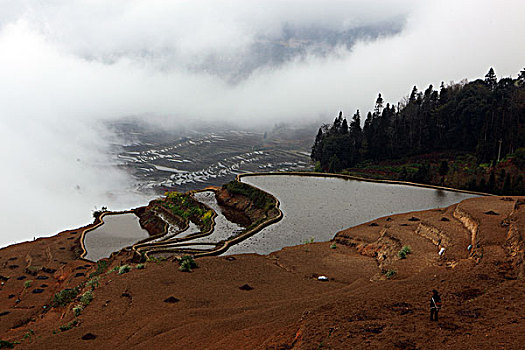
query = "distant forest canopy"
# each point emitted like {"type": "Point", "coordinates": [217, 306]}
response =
{"type": "Point", "coordinates": [482, 117]}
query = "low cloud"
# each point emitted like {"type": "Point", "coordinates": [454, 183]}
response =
{"type": "Point", "coordinates": [66, 67]}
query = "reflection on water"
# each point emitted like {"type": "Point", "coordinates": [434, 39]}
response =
{"type": "Point", "coordinates": [117, 232]}
{"type": "Point", "coordinates": [319, 207]}
{"type": "Point", "coordinates": [223, 227]}
{"type": "Point", "coordinates": [440, 193]}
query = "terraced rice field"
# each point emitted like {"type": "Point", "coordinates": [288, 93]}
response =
{"type": "Point", "coordinates": [319, 207]}
{"type": "Point", "coordinates": [332, 205]}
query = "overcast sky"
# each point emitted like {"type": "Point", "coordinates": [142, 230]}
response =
{"type": "Point", "coordinates": [66, 66]}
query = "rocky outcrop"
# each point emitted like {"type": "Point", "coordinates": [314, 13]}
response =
{"type": "Point", "coordinates": [434, 234]}
{"type": "Point", "coordinates": [150, 221]}
{"type": "Point", "coordinates": [472, 226]}
{"type": "Point", "coordinates": [384, 249]}
{"type": "Point", "coordinates": [515, 248]}
{"type": "Point", "coordinates": [238, 208]}
{"type": "Point", "coordinates": [514, 243]}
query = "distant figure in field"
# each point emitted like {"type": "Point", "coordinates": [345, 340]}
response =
{"type": "Point", "coordinates": [435, 305]}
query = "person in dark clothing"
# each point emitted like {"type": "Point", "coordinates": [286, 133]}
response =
{"type": "Point", "coordinates": [435, 305]}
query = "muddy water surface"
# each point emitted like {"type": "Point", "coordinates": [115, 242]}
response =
{"type": "Point", "coordinates": [223, 227]}
{"type": "Point", "coordinates": [319, 207]}
{"type": "Point", "coordinates": [117, 232]}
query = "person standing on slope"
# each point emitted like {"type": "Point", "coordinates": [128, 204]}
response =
{"type": "Point", "coordinates": [435, 305]}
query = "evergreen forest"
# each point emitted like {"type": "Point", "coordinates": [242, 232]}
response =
{"type": "Point", "coordinates": [481, 122]}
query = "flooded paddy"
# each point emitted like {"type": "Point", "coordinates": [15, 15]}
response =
{"type": "Point", "coordinates": [194, 160]}
{"type": "Point", "coordinates": [118, 231]}
{"type": "Point", "coordinates": [223, 227]}
{"type": "Point", "coordinates": [314, 207]}
{"type": "Point", "coordinates": [319, 207]}
{"type": "Point", "coordinates": [123, 230]}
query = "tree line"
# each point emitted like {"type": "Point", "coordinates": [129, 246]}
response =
{"type": "Point", "coordinates": [485, 117]}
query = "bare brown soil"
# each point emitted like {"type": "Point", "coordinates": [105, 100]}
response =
{"type": "Point", "coordinates": [277, 302]}
{"type": "Point", "coordinates": [150, 221]}
{"type": "Point", "coordinates": [238, 208]}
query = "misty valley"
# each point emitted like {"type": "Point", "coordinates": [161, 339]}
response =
{"type": "Point", "coordinates": [185, 160]}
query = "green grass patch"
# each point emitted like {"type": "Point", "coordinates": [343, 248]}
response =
{"type": "Point", "coordinates": [102, 265]}
{"type": "Point", "coordinates": [68, 326]}
{"type": "Point", "coordinates": [29, 334]}
{"type": "Point", "coordinates": [4, 344]}
{"type": "Point", "coordinates": [64, 297]}
{"type": "Point", "coordinates": [77, 310]}
{"type": "Point", "coordinates": [28, 283]}
{"type": "Point", "coordinates": [124, 269]}
{"type": "Point", "coordinates": [390, 273]}
{"type": "Point", "coordinates": [86, 298]}
{"type": "Point", "coordinates": [93, 283]}
{"type": "Point", "coordinates": [185, 206]}
{"type": "Point", "coordinates": [402, 254]}
{"type": "Point", "coordinates": [155, 259]}
{"type": "Point", "coordinates": [187, 263]}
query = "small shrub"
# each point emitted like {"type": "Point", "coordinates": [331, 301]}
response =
{"type": "Point", "coordinates": [402, 254]}
{"type": "Point", "coordinates": [140, 266]}
{"type": "Point", "coordinates": [116, 268]}
{"type": "Point", "coordinates": [68, 326]}
{"type": "Point", "coordinates": [124, 269]}
{"type": "Point", "coordinates": [390, 273]}
{"type": "Point", "coordinates": [64, 297]}
{"type": "Point", "coordinates": [4, 344]}
{"type": "Point", "coordinates": [27, 284]}
{"type": "Point", "coordinates": [309, 241]}
{"type": "Point", "coordinates": [86, 298]}
{"type": "Point", "coordinates": [155, 259]}
{"type": "Point", "coordinates": [187, 263]}
{"type": "Point", "coordinates": [77, 310]}
{"type": "Point", "coordinates": [29, 334]}
{"type": "Point", "coordinates": [102, 265]}
{"type": "Point", "coordinates": [333, 246]}
{"type": "Point", "coordinates": [93, 283]}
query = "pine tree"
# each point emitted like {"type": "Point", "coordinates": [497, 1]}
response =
{"type": "Point", "coordinates": [443, 170]}
{"type": "Point", "coordinates": [490, 79]}
{"type": "Point", "coordinates": [344, 127]}
{"type": "Point", "coordinates": [492, 182]}
{"type": "Point", "coordinates": [318, 145]}
{"type": "Point", "coordinates": [443, 94]}
{"type": "Point", "coordinates": [467, 117]}
{"type": "Point", "coordinates": [334, 165]}
{"type": "Point", "coordinates": [336, 127]}
{"type": "Point", "coordinates": [379, 106]}
{"type": "Point", "coordinates": [521, 78]}
{"type": "Point", "coordinates": [413, 94]}
{"type": "Point", "coordinates": [356, 134]}
{"type": "Point", "coordinates": [369, 134]}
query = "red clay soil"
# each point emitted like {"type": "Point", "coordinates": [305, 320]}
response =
{"type": "Point", "coordinates": [277, 302]}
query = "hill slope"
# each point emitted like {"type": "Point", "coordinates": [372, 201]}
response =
{"type": "Point", "coordinates": [276, 302]}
